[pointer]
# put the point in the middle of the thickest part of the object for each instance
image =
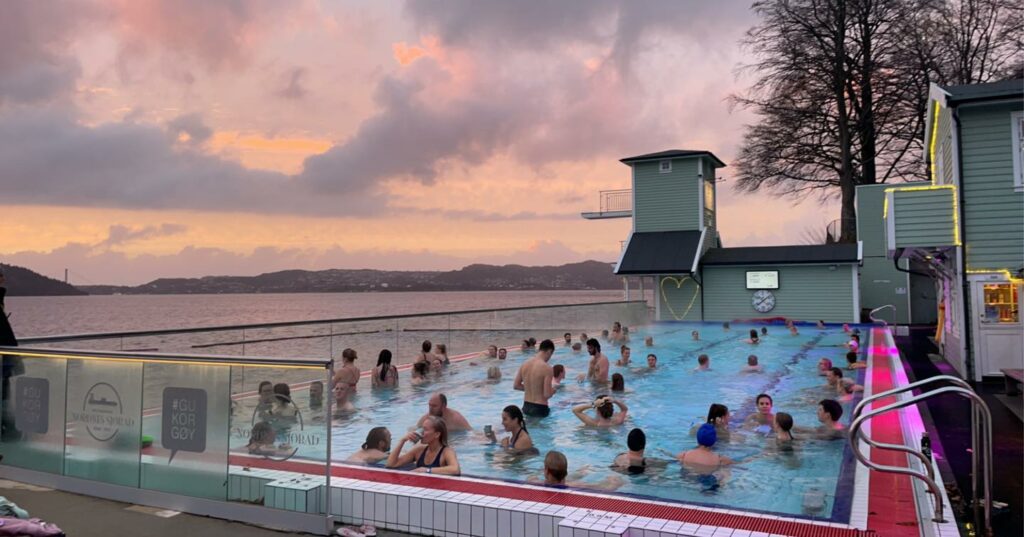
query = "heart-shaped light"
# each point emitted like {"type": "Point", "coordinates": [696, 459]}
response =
{"type": "Point", "coordinates": [679, 284]}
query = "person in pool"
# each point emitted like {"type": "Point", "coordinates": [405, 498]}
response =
{"type": "Point", "coordinates": [695, 335]}
{"type": "Point", "coordinates": [425, 355]}
{"type": "Point", "coordinates": [718, 415]}
{"type": "Point", "coordinates": [764, 331]}
{"type": "Point", "coordinates": [431, 453]}
{"type": "Point", "coordinates": [703, 363]}
{"type": "Point", "coordinates": [584, 338]}
{"type": "Point", "coordinates": [437, 407]}
{"type": "Point", "coordinates": [502, 353]}
{"type": "Point", "coordinates": [854, 343]}
{"type": "Point", "coordinates": [557, 375]}
{"type": "Point", "coordinates": [493, 374]}
{"type": "Point", "coordinates": [703, 458]}
{"type": "Point", "coordinates": [618, 383]}
{"type": "Point", "coordinates": [752, 365]}
{"type": "Point", "coordinates": [649, 341]}
{"type": "Point", "coordinates": [556, 475]}
{"type": "Point", "coordinates": [793, 331]}
{"type": "Point", "coordinates": [821, 324]}
{"type": "Point", "coordinates": [266, 402]}
{"type": "Point", "coordinates": [625, 353]}
{"type": "Point", "coordinates": [852, 363]}
{"type": "Point", "coordinates": [604, 407]}
{"type": "Point", "coordinates": [442, 354]}
{"type": "Point", "coordinates": [652, 361]}
{"type": "Point", "coordinates": [783, 428]}
{"type": "Point", "coordinates": [824, 366]}
{"type": "Point", "coordinates": [419, 373]}
{"type": "Point", "coordinates": [829, 412]}
{"type": "Point", "coordinates": [492, 352]}
{"type": "Point", "coordinates": [764, 416]}
{"type": "Point", "coordinates": [634, 461]}
{"type": "Point", "coordinates": [754, 339]}
{"type": "Point", "coordinates": [577, 348]}
{"type": "Point", "coordinates": [316, 395]}
{"type": "Point", "coordinates": [519, 438]}
{"type": "Point", "coordinates": [261, 442]}
{"type": "Point", "coordinates": [534, 379]}
{"type": "Point", "coordinates": [385, 375]}
{"type": "Point", "coordinates": [346, 380]}
{"type": "Point", "coordinates": [375, 448]}
{"type": "Point", "coordinates": [568, 339]}
{"type": "Point", "coordinates": [843, 386]}
{"type": "Point", "coordinates": [597, 370]}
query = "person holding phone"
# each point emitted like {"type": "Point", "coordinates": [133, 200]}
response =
{"type": "Point", "coordinates": [513, 422]}
{"type": "Point", "coordinates": [431, 453]}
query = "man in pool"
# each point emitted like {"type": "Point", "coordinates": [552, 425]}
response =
{"type": "Point", "coordinates": [597, 371]}
{"type": "Point", "coordinates": [605, 412]}
{"type": "Point", "coordinates": [556, 475]}
{"type": "Point", "coordinates": [652, 361]}
{"type": "Point", "coordinates": [695, 335]}
{"type": "Point", "coordinates": [576, 347]}
{"type": "Point", "coordinates": [842, 386]}
{"type": "Point", "coordinates": [703, 363]}
{"type": "Point", "coordinates": [852, 363]}
{"type": "Point", "coordinates": [625, 352]}
{"type": "Point", "coordinates": [752, 365]}
{"type": "Point", "coordinates": [492, 352]}
{"type": "Point", "coordinates": [557, 375]}
{"type": "Point", "coordinates": [534, 378]}
{"type": "Point", "coordinates": [634, 461]}
{"type": "Point", "coordinates": [316, 395]}
{"type": "Point", "coordinates": [649, 341]}
{"type": "Point", "coordinates": [568, 339]}
{"type": "Point", "coordinates": [502, 353]}
{"type": "Point", "coordinates": [375, 449]}
{"type": "Point", "coordinates": [829, 412]}
{"type": "Point", "coordinates": [438, 407]}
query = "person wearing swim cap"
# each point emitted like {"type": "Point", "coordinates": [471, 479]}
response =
{"type": "Point", "coordinates": [703, 458]}
{"type": "Point", "coordinates": [634, 461]}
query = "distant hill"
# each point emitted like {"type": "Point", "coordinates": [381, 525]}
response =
{"type": "Point", "coordinates": [574, 276]}
{"type": "Point", "coordinates": [24, 282]}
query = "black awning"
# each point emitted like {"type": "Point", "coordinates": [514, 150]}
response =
{"type": "Point", "coordinates": [660, 252]}
{"type": "Point", "coordinates": [770, 255]}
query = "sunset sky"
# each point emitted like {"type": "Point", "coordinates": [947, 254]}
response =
{"type": "Point", "coordinates": [156, 138]}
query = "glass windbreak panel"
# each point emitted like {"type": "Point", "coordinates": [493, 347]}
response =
{"type": "Point", "coordinates": [279, 432]}
{"type": "Point", "coordinates": [33, 412]}
{"type": "Point", "coordinates": [1001, 303]}
{"type": "Point", "coordinates": [185, 429]}
{"type": "Point", "coordinates": [104, 421]}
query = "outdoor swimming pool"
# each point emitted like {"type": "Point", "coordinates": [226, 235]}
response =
{"type": "Point", "coordinates": [812, 481]}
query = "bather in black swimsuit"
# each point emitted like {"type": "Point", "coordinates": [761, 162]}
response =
{"type": "Point", "coordinates": [420, 463]}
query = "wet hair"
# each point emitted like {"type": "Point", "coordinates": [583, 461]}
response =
{"type": "Point", "coordinates": [765, 396]}
{"type": "Point", "coordinates": [282, 392]}
{"type": "Point", "coordinates": [606, 410]}
{"type": "Point", "coordinates": [617, 324]}
{"type": "Point", "coordinates": [443, 398]}
{"type": "Point", "coordinates": [439, 425]}
{"type": "Point", "coordinates": [716, 411]}
{"type": "Point", "coordinates": [764, 330]}
{"type": "Point", "coordinates": [753, 334]}
{"type": "Point", "coordinates": [556, 464]}
{"type": "Point", "coordinates": [547, 345]}
{"type": "Point", "coordinates": [594, 343]}
{"type": "Point", "coordinates": [494, 372]}
{"type": "Point", "coordinates": [624, 348]}
{"type": "Point", "coordinates": [515, 413]}
{"type": "Point", "coordinates": [261, 433]}
{"type": "Point", "coordinates": [348, 355]}
{"type": "Point", "coordinates": [834, 409]}
{"type": "Point", "coordinates": [442, 348]}
{"type": "Point", "coordinates": [604, 333]}
{"type": "Point", "coordinates": [837, 372]}
{"type": "Point", "coordinates": [427, 345]}
{"type": "Point", "coordinates": [532, 341]}
{"type": "Point", "coordinates": [851, 357]}
{"type": "Point", "coordinates": [752, 359]}
{"type": "Point", "coordinates": [827, 362]}
{"type": "Point", "coordinates": [618, 382]}
{"type": "Point", "coordinates": [652, 355]}
{"type": "Point", "coordinates": [567, 334]}
{"type": "Point", "coordinates": [558, 369]}
{"type": "Point", "coordinates": [577, 346]}
{"type": "Point", "coordinates": [784, 420]}
{"type": "Point", "coordinates": [725, 324]}
{"type": "Point", "coordinates": [649, 341]}
{"type": "Point", "coordinates": [855, 336]}
{"type": "Point", "coordinates": [637, 440]}
{"type": "Point", "coordinates": [375, 437]}
{"type": "Point", "coordinates": [384, 363]}
{"type": "Point", "coordinates": [703, 359]}
{"type": "Point", "coordinates": [420, 368]}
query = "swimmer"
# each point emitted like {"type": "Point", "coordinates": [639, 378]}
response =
{"type": "Point", "coordinates": [752, 365]}
{"type": "Point", "coordinates": [419, 373]}
{"type": "Point", "coordinates": [492, 352]}
{"type": "Point", "coordinates": [725, 326]}
{"type": "Point", "coordinates": [604, 408]}
{"type": "Point", "coordinates": [764, 331]}
{"type": "Point", "coordinates": [437, 407]}
{"type": "Point", "coordinates": [754, 339]}
{"type": "Point", "coordinates": [597, 369]}
{"type": "Point", "coordinates": [431, 453]}
{"type": "Point", "coordinates": [846, 328]}
{"type": "Point", "coordinates": [854, 343]}
{"type": "Point", "coordinates": [577, 348]}
{"type": "Point", "coordinates": [843, 386]}
{"type": "Point", "coordinates": [618, 383]}
{"type": "Point", "coordinates": [649, 341]}
{"type": "Point", "coordinates": [556, 475]}
{"type": "Point", "coordinates": [425, 355]}
{"type": "Point", "coordinates": [568, 339]}
{"type": "Point", "coordinates": [829, 412]}
{"type": "Point", "coordinates": [702, 458]}
{"type": "Point", "coordinates": [384, 375]}
{"type": "Point", "coordinates": [652, 361]}
{"type": "Point", "coordinates": [513, 422]}
{"type": "Point", "coordinates": [605, 335]}
{"type": "Point", "coordinates": [494, 373]}
{"type": "Point", "coordinates": [695, 335]}
{"type": "Point", "coordinates": [852, 363]}
{"type": "Point", "coordinates": [375, 448]}
{"type": "Point", "coordinates": [625, 353]}
{"type": "Point", "coordinates": [584, 338]}
{"type": "Point", "coordinates": [502, 353]}
{"type": "Point", "coordinates": [442, 354]}
{"type": "Point", "coordinates": [764, 416]}
{"type": "Point", "coordinates": [261, 442]}
{"type": "Point", "coordinates": [718, 415]}
{"type": "Point", "coordinates": [824, 365]}
{"type": "Point", "coordinates": [316, 395]}
{"type": "Point", "coordinates": [634, 461]}
{"type": "Point", "coordinates": [345, 381]}
{"type": "Point", "coordinates": [793, 331]}
{"type": "Point", "coordinates": [534, 379]}
{"type": "Point", "coordinates": [703, 363]}
{"type": "Point", "coordinates": [557, 375]}
{"type": "Point", "coordinates": [783, 427]}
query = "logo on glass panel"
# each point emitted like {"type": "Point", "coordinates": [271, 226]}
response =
{"type": "Point", "coordinates": [32, 405]}
{"type": "Point", "coordinates": [183, 427]}
{"type": "Point", "coordinates": [102, 413]}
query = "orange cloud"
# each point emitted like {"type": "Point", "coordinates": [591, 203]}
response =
{"type": "Point", "coordinates": [406, 54]}
{"type": "Point", "coordinates": [279, 154]}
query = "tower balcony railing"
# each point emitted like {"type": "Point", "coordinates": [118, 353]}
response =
{"type": "Point", "coordinates": [612, 204]}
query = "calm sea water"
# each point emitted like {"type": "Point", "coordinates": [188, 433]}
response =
{"type": "Point", "coordinates": [38, 316]}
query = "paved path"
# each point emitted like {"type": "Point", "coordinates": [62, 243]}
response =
{"type": "Point", "coordinates": [86, 516]}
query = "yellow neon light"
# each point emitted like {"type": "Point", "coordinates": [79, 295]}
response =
{"type": "Point", "coordinates": [931, 144]}
{"type": "Point", "coordinates": [1005, 272]}
{"type": "Point", "coordinates": [152, 361]}
{"type": "Point", "coordinates": [956, 206]}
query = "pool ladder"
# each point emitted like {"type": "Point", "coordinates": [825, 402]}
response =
{"type": "Point", "coordinates": [980, 437]}
{"type": "Point", "coordinates": [871, 314]}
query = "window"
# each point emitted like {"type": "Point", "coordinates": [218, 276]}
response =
{"type": "Point", "coordinates": [1000, 303]}
{"type": "Point", "coordinates": [665, 166]}
{"type": "Point", "coordinates": [1017, 129]}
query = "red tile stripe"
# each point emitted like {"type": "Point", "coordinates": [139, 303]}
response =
{"type": "Point", "coordinates": [690, 515]}
{"type": "Point", "coordinates": [891, 508]}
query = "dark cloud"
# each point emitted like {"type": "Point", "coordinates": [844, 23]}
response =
{"type": "Point", "coordinates": [192, 126]}
{"type": "Point", "coordinates": [293, 84]}
{"type": "Point", "coordinates": [120, 234]}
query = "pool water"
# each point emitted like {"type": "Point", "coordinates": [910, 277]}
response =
{"type": "Point", "coordinates": [666, 403]}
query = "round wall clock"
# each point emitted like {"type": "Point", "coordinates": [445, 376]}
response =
{"type": "Point", "coordinates": [763, 301]}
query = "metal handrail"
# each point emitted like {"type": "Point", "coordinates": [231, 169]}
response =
{"type": "Point", "coordinates": [933, 487]}
{"type": "Point", "coordinates": [871, 314]}
{"type": "Point", "coordinates": [282, 324]}
{"type": "Point", "coordinates": [621, 199]}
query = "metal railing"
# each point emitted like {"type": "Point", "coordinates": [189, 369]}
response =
{"type": "Point", "coordinates": [615, 200]}
{"type": "Point", "coordinates": [981, 438]}
{"type": "Point", "coordinates": [871, 315]}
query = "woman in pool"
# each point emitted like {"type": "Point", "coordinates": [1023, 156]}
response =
{"type": "Point", "coordinates": [702, 458]}
{"type": "Point", "coordinates": [519, 438]}
{"type": "Point", "coordinates": [419, 373]}
{"type": "Point", "coordinates": [442, 354]}
{"type": "Point", "coordinates": [783, 428]}
{"type": "Point", "coordinates": [824, 366]}
{"type": "Point", "coordinates": [261, 441]}
{"type": "Point", "coordinates": [431, 454]}
{"type": "Point", "coordinates": [618, 383]}
{"type": "Point", "coordinates": [754, 339]}
{"type": "Point", "coordinates": [763, 419]}
{"type": "Point", "coordinates": [385, 375]}
{"type": "Point", "coordinates": [345, 380]}
{"type": "Point", "coordinates": [718, 416]}
{"type": "Point", "coordinates": [604, 407]}
{"type": "Point", "coordinates": [493, 374]}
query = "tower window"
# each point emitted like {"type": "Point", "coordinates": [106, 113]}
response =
{"type": "Point", "coordinates": [665, 166]}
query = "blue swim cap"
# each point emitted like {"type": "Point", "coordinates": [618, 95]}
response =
{"type": "Point", "coordinates": [707, 435]}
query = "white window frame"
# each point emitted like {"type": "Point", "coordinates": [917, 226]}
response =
{"type": "Point", "coordinates": [1017, 139]}
{"type": "Point", "coordinates": [662, 168]}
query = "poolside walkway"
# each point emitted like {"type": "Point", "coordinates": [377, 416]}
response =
{"type": "Point", "coordinates": [86, 516]}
